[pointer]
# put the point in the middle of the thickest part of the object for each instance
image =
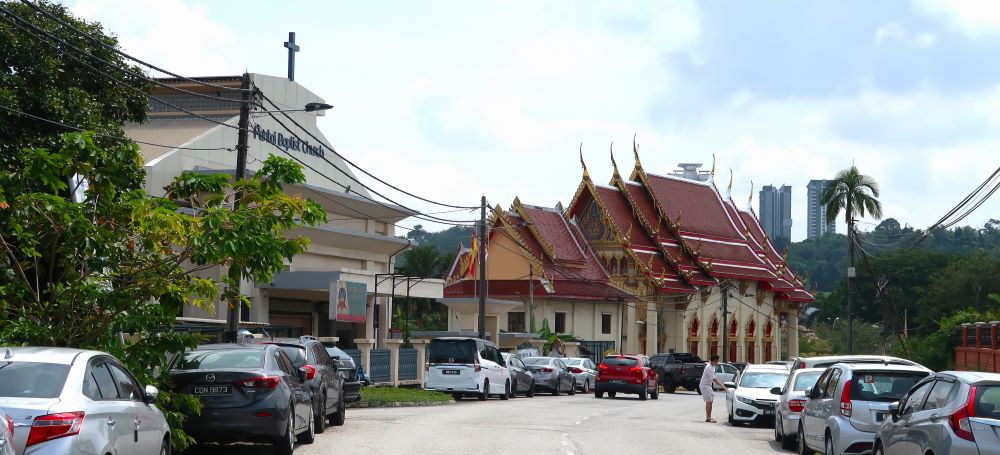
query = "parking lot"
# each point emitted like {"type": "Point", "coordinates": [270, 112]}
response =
{"type": "Point", "coordinates": [578, 424]}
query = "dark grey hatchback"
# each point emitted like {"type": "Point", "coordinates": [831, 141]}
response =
{"type": "Point", "coordinates": [249, 393]}
{"type": "Point", "coordinates": [323, 377]}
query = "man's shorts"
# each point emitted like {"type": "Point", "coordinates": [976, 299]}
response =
{"type": "Point", "coordinates": [707, 393]}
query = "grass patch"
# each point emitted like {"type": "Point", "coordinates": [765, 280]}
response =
{"type": "Point", "coordinates": [378, 395]}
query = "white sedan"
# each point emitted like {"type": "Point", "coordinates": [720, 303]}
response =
{"type": "Point", "coordinates": [750, 399]}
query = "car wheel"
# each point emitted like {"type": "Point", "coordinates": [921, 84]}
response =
{"type": "Point", "coordinates": [598, 394]}
{"type": "Point", "coordinates": [612, 394]}
{"type": "Point", "coordinates": [732, 421]}
{"type": "Point", "coordinates": [506, 391]}
{"type": "Point", "coordinates": [285, 445]}
{"type": "Point", "coordinates": [310, 434]}
{"type": "Point", "coordinates": [828, 445]}
{"type": "Point", "coordinates": [555, 389]}
{"type": "Point", "coordinates": [803, 448]}
{"type": "Point", "coordinates": [788, 442]}
{"type": "Point", "coordinates": [586, 386]}
{"type": "Point", "coordinates": [777, 434]}
{"type": "Point", "coordinates": [644, 394]}
{"type": "Point", "coordinates": [655, 394]}
{"type": "Point", "coordinates": [878, 448]}
{"type": "Point", "coordinates": [669, 386]}
{"type": "Point", "coordinates": [531, 389]}
{"type": "Point", "coordinates": [572, 388]}
{"type": "Point", "coordinates": [338, 418]}
{"type": "Point", "coordinates": [320, 416]}
{"type": "Point", "coordinates": [165, 447]}
{"type": "Point", "coordinates": [486, 391]}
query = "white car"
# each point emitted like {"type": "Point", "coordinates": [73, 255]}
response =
{"type": "Point", "coordinates": [751, 399]}
{"type": "Point", "coordinates": [467, 366]}
{"type": "Point", "coordinates": [6, 434]}
{"type": "Point", "coordinates": [791, 401]}
{"type": "Point", "coordinates": [584, 371]}
{"type": "Point", "coordinates": [70, 401]}
{"type": "Point", "coordinates": [725, 372]}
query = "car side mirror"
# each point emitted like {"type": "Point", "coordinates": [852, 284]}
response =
{"type": "Point", "coordinates": [730, 385]}
{"type": "Point", "coordinates": [776, 391]}
{"type": "Point", "coordinates": [151, 393]}
{"type": "Point", "coordinates": [809, 392]}
{"type": "Point", "coordinates": [302, 374]}
{"type": "Point", "coordinates": [894, 411]}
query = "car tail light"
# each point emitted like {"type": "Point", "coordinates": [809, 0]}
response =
{"type": "Point", "coordinates": [960, 419]}
{"type": "Point", "coordinates": [845, 400]}
{"type": "Point", "coordinates": [796, 405]}
{"type": "Point", "coordinates": [10, 426]}
{"type": "Point", "coordinates": [683, 369]}
{"type": "Point", "coordinates": [575, 370]}
{"type": "Point", "coordinates": [547, 370]}
{"type": "Point", "coordinates": [54, 426]}
{"type": "Point", "coordinates": [264, 414]}
{"type": "Point", "coordinates": [478, 367]}
{"type": "Point", "coordinates": [802, 364]}
{"type": "Point", "coordinates": [602, 367]}
{"type": "Point", "coordinates": [635, 369]}
{"type": "Point", "coordinates": [310, 371]}
{"type": "Point", "coordinates": [263, 382]}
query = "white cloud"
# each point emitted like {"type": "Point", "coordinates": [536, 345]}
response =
{"type": "Point", "coordinates": [971, 16]}
{"type": "Point", "coordinates": [894, 32]}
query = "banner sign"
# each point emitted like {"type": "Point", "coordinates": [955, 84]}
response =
{"type": "Point", "coordinates": [348, 301]}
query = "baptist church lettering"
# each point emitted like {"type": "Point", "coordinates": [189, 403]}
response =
{"type": "Point", "coordinates": [289, 143]}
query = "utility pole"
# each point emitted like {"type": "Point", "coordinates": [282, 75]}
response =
{"type": "Point", "coordinates": [850, 277]}
{"type": "Point", "coordinates": [725, 321]}
{"type": "Point", "coordinates": [531, 298]}
{"type": "Point", "coordinates": [482, 269]}
{"type": "Point", "coordinates": [233, 313]}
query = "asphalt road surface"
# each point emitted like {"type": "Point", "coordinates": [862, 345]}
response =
{"type": "Point", "coordinates": [544, 424]}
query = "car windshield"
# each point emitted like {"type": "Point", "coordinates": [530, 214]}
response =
{"type": "Point", "coordinates": [806, 380]}
{"type": "Point", "coordinates": [297, 354]}
{"type": "Point", "coordinates": [620, 361]}
{"type": "Point", "coordinates": [452, 351]}
{"type": "Point", "coordinates": [573, 362]}
{"type": "Point", "coordinates": [216, 359]}
{"type": "Point", "coordinates": [537, 361]}
{"type": "Point", "coordinates": [885, 386]}
{"type": "Point", "coordinates": [988, 401]}
{"type": "Point", "coordinates": [763, 380]}
{"type": "Point", "coordinates": [32, 379]}
{"type": "Point", "coordinates": [687, 358]}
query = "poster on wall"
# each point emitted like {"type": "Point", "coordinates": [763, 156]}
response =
{"type": "Point", "coordinates": [348, 301]}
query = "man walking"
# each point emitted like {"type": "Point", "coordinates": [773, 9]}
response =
{"type": "Point", "coordinates": [706, 387]}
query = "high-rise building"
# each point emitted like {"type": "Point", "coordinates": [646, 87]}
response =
{"type": "Point", "coordinates": [776, 211]}
{"type": "Point", "coordinates": [817, 224]}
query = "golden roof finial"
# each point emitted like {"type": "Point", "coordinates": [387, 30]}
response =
{"type": "Point", "coordinates": [750, 198]}
{"type": "Point", "coordinates": [586, 175]}
{"type": "Point", "coordinates": [712, 172]}
{"type": "Point", "coordinates": [729, 189]}
{"type": "Point", "coordinates": [614, 165]}
{"type": "Point", "coordinates": [635, 150]}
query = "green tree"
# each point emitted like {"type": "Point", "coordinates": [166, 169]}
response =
{"type": "Point", "coordinates": [855, 194]}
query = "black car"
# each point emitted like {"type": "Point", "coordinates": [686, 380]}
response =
{"type": "Point", "coordinates": [520, 376]}
{"type": "Point", "coordinates": [323, 377]}
{"type": "Point", "coordinates": [248, 392]}
{"type": "Point", "coordinates": [551, 375]}
{"type": "Point", "coordinates": [352, 381]}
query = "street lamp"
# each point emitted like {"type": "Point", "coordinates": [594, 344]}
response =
{"type": "Point", "coordinates": [835, 324]}
{"type": "Point", "coordinates": [309, 107]}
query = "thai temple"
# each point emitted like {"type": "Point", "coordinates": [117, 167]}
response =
{"type": "Point", "coordinates": [638, 265]}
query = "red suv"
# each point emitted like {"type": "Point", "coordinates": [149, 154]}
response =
{"type": "Point", "coordinates": [626, 374]}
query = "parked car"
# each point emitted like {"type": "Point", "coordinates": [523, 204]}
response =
{"type": "Point", "coordinates": [726, 372]}
{"type": "Point", "coordinates": [752, 398]}
{"type": "Point", "coordinates": [347, 369]}
{"type": "Point", "coordinates": [627, 374]}
{"type": "Point", "coordinates": [849, 402]}
{"type": "Point", "coordinates": [551, 375]}
{"type": "Point", "coordinates": [584, 371]}
{"type": "Point", "coordinates": [785, 363]}
{"type": "Point", "coordinates": [466, 366]}
{"type": "Point", "coordinates": [828, 361]}
{"type": "Point", "coordinates": [791, 401]}
{"type": "Point", "coordinates": [952, 412]}
{"type": "Point", "coordinates": [740, 365]}
{"type": "Point", "coordinates": [520, 376]}
{"type": "Point", "coordinates": [326, 384]}
{"type": "Point", "coordinates": [6, 434]}
{"type": "Point", "coordinates": [248, 392]}
{"type": "Point", "coordinates": [63, 401]}
{"type": "Point", "coordinates": [678, 369]}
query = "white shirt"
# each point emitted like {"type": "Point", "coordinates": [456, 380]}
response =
{"type": "Point", "coordinates": [708, 376]}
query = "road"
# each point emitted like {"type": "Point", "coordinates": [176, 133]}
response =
{"type": "Point", "coordinates": [563, 425]}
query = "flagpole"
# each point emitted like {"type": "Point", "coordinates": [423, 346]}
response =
{"type": "Point", "coordinates": [482, 269]}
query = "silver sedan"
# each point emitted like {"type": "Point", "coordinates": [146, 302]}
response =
{"type": "Point", "coordinates": [584, 371]}
{"type": "Point", "coordinates": [70, 401]}
{"type": "Point", "coordinates": [791, 400]}
{"type": "Point", "coordinates": [6, 434]}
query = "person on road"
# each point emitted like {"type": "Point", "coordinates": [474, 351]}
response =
{"type": "Point", "coordinates": [706, 386]}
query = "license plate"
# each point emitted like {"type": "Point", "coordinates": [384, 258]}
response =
{"type": "Point", "coordinates": [450, 372]}
{"type": "Point", "coordinates": [212, 389]}
{"type": "Point", "coordinates": [879, 416]}
{"type": "Point", "coordinates": [617, 381]}
{"type": "Point", "coordinates": [769, 412]}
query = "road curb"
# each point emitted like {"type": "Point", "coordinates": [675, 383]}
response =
{"type": "Point", "coordinates": [399, 404]}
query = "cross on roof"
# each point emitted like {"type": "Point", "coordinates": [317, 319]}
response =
{"type": "Point", "coordinates": [292, 49]}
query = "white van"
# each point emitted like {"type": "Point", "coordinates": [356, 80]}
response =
{"type": "Point", "coordinates": [466, 366]}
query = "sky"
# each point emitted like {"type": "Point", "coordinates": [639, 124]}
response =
{"type": "Point", "coordinates": [455, 99]}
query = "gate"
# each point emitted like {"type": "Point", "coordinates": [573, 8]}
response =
{"type": "Point", "coordinates": [380, 366]}
{"type": "Point", "coordinates": [407, 364]}
{"type": "Point", "coordinates": [597, 349]}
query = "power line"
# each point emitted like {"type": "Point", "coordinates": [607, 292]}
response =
{"type": "Point", "coordinates": [123, 54]}
{"type": "Point", "coordinates": [117, 138]}
{"type": "Point", "coordinates": [945, 222]}
{"type": "Point", "coordinates": [351, 163]}
{"type": "Point", "coordinates": [17, 23]}
{"type": "Point", "coordinates": [419, 215]}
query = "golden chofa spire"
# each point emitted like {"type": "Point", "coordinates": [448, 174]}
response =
{"type": "Point", "coordinates": [614, 165]}
{"type": "Point", "coordinates": [635, 150]}
{"type": "Point", "coordinates": [750, 198]}
{"type": "Point", "coordinates": [729, 189]}
{"type": "Point", "coordinates": [586, 175]}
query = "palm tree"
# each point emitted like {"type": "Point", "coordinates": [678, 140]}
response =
{"type": "Point", "coordinates": [855, 194]}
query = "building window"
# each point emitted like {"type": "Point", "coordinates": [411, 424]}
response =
{"type": "Point", "coordinates": [751, 352]}
{"type": "Point", "coordinates": [515, 321]}
{"type": "Point", "coordinates": [560, 322]}
{"type": "Point", "coordinates": [605, 323]}
{"type": "Point", "coordinates": [693, 347]}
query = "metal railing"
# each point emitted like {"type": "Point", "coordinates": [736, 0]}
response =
{"type": "Point", "coordinates": [380, 360]}
{"type": "Point", "coordinates": [408, 364]}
